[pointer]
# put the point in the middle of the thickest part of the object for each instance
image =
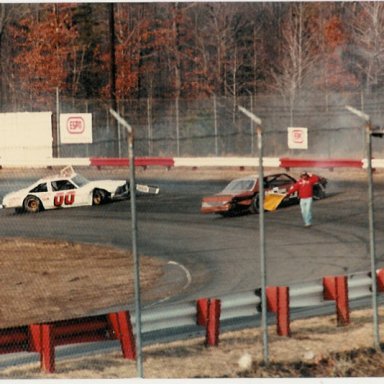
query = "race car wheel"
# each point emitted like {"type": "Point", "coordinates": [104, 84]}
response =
{"type": "Point", "coordinates": [32, 204]}
{"type": "Point", "coordinates": [318, 192]}
{"type": "Point", "coordinates": [98, 197]}
{"type": "Point", "coordinates": [254, 207]}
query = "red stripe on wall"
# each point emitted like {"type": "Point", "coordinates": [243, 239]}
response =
{"type": "Point", "coordinates": [124, 162]}
{"type": "Point", "coordinates": [329, 163]}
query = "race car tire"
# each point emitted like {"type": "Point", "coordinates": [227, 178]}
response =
{"type": "Point", "coordinates": [255, 206]}
{"type": "Point", "coordinates": [227, 214]}
{"type": "Point", "coordinates": [32, 204]}
{"type": "Point", "coordinates": [99, 196]}
{"type": "Point", "coordinates": [318, 192]}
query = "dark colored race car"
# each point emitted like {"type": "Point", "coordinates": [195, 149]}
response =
{"type": "Point", "coordinates": [242, 195]}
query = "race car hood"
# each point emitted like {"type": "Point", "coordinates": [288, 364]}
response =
{"type": "Point", "coordinates": [225, 197]}
{"type": "Point", "coordinates": [218, 198]}
{"type": "Point", "coordinates": [13, 197]}
{"type": "Point", "coordinates": [216, 203]}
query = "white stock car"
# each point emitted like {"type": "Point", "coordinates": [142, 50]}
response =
{"type": "Point", "coordinates": [69, 189]}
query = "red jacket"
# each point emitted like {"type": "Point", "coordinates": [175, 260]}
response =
{"type": "Point", "coordinates": [304, 187]}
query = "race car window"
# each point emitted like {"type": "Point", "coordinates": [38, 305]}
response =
{"type": "Point", "coordinates": [279, 181]}
{"type": "Point", "coordinates": [40, 188]}
{"type": "Point", "coordinates": [239, 185]}
{"type": "Point", "coordinates": [62, 185]}
{"type": "Point", "coordinates": [80, 181]}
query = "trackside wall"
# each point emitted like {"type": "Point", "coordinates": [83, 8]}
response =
{"type": "Point", "coordinates": [25, 137]}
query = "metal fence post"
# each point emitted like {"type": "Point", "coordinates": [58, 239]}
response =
{"type": "Point", "coordinates": [263, 264]}
{"type": "Point", "coordinates": [139, 362]}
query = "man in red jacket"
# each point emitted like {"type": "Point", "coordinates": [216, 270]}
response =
{"type": "Point", "coordinates": [304, 187]}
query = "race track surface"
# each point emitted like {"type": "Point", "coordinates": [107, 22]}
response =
{"type": "Point", "coordinates": [210, 255]}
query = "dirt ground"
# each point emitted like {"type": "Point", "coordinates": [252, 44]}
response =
{"type": "Point", "coordinates": [317, 347]}
{"type": "Point", "coordinates": [33, 287]}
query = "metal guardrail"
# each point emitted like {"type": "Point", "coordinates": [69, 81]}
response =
{"type": "Point", "coordinates": [247, 303]}
{"type": "Point", "coordinates": [174, 316]}
{"type": "Point", "coordinates": [306, 294]}
{"type": "Point", "coordinates": [359, 285]}
{"type": "Point", "coordinates": [238, 311]}
{"type": "Point", "coordinates": [240, 305]}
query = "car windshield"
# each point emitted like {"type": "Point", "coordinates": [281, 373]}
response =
{"type": "Point", "coordinates": [239, 186]}
{"type": "Point", "coordinates": [79, 180]}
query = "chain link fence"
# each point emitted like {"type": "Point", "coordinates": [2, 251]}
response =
{"type": "Point", "coordinates": [214, 126]}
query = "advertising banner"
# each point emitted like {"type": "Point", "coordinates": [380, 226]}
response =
{"type": "Point", "coordinates": [75, 128]}
{"type": "Point", "coordinates": [297, 138]}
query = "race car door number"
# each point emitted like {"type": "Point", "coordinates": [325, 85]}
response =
{"type": "Point", "coordinates": [62, 198]}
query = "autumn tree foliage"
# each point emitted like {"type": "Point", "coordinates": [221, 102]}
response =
{"type": "Point", "coordinates": [334, 33]}
{"type": "Point", "coordinates": [190, 50]}
{"type": "Point", "coordinates": [47, 55]}
{"type": "Point", "coordinates": [337, 76]}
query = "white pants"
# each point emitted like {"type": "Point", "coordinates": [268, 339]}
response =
{"type": "Point", "coordinates": [306, 210]}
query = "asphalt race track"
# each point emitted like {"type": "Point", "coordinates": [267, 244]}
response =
{"type": "Point", "coordinates": [210, 255]}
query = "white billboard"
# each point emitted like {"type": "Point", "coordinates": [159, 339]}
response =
{"type": "Point", "coordinates": [25, 137]}
{"type": "Point", "coordinates": [75, 128]}
{"type": "Point", "coordinates": [297, 138]}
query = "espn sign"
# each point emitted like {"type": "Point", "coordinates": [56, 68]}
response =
{"type": "Point", "coordinates": [75, 128]}
{"type": "Point", "coordinates": [297, 138]}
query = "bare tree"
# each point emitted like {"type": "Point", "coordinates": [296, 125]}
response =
{"type": "Point", "coordinates": [367, 51]}
{"type": "Point", "coordinates": [299, 55]}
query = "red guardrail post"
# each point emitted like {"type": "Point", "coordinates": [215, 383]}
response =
{"type": "Point", "coordinates": [208, 316]}
{"type": "Point", "coordinates": [202, 306]}
{"type": "Point", "coordinates": [213, 324]}
{"type": "Point", "coordinates": [342, 302]}
{"type": "Point", "coordinates": [113, 325]}
{"type": "Point", "coordinates": [336, 288]}
{"type": "Point", "coordinates": [127, 341]}
{"type": "Point", "coordinates": [278, 302]}
{"type": "Point", "coordinates": [271, 293]}
{"type": "Point", "coordinates": [283, 328]}
{"type": "Point", "coordinates": [121, 328]}
{"type": "Point", "coordinates": [47, 353]}
{"type": "Point", "coordinates": [34, 331]}
{"type": "Point", "coordinates": [329, 288]}
{"type": "Point", "coordinates": [380, 280]}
